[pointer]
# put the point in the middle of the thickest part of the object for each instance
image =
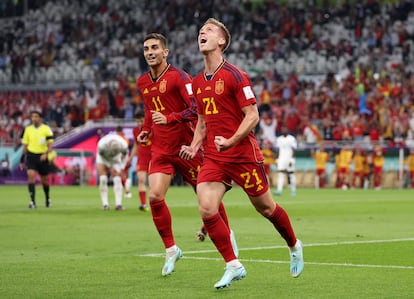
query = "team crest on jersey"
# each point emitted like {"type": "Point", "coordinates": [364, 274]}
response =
{"type": "Point", "coordinates": [163, 86]}
{"type": "Point", "coordinates": [219, 89]}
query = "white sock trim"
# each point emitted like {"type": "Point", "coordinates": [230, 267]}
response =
{"type": "Point", "coordinates": [234, 264]}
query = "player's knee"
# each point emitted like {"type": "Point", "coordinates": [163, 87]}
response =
{"type": "Point", "coordinates": [264, 211]}
{"type": "Point", "coordinates": [265, 205]}
{"type": "Point", "coordinates": [155, 196]}
{"type": "Point", "coordinates": [103, 180]}
{"type": "Point", "coordinates": [117, 181]}
{"type": "Point", "coordinates": [207, 210]}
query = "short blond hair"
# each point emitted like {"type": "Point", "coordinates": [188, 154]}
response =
{"type": "Point", "coordinates": [223, 28]}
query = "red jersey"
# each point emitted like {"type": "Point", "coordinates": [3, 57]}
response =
{"type": "Point", "coordinates": [171, 94]}
{"type": "Point", "coordinates": [143, 151]}
{"type": "Point", "coordinates": [220, 100]}
{"type": "Point", "coordinates": [141, 147]}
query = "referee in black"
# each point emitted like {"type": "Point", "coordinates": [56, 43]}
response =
{"type": "Point", "coordinates": [37, 142]}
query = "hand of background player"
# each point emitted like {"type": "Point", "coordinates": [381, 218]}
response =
{"type": "Point", "coordinates": [158, 118]}
{"type": "Point", "coordinates": [222, 143]}
{"type": "Point", "coordinates": [187, 152]}
{"type": "Point", "coordinates": [143, 137]}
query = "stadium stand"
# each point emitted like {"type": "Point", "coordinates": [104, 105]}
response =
{"type": "Point", "coordinates": [342, 68]}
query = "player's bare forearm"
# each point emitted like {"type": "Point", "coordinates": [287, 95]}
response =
{"type": "Point", "coordinates": [199, 133]}
{"type": "Point", "coordinates": [133, 152]}
{"type": "Point", "coordinates": [158, 118]}
{"type": "Point", "coordinates": [247, 125]}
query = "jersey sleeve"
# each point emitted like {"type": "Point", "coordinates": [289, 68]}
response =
{"type": "Point", "coordinates": [147, 113]}
{"type": "Point", "coordinates": [49, 134]}
{"type": "Point", "coordinates": [185, 90]}
{"type": "Point", "coordinates": [294, 143]}
{"type": "Point", "coordinates": [25, 137]}
{"type": "Point", "coordinates": [244, 91]}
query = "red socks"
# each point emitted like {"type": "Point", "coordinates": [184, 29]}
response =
{"type": "Point", "coordinates": [281, 222]}
{"type": "Point", "coordinates": [223, 214]}
{"type": "Point", "coordinates": [219, 233]}
{"type": "Point", "coordinates": [162, 220]}
{"type": "Point", "coordinates": [143, 197]}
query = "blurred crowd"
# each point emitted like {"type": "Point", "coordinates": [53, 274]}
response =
{"type": "Point", "coordinates": [328, 71]}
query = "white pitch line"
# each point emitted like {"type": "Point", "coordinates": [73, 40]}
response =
{"type": "Point", "coordinates": [334, 243]}
{"type": "Point", "coordinates": [157, 255]}
{"type": "Point", "coordinates": [306, 245]}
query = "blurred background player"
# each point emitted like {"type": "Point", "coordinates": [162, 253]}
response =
{"type": "Point", "coordinates": [360, 161]}
{"type": "Point", "coordinates": [112, 155]}
{"type": "Point", "coordinates": [266, 147]}
{"type": "Point", "coordinates": [37, 143]}
{"type": "Point", "coordinates": [344, 163]}
{"type": "Point", "coordinates": [143, 153]}
{"type": "Point", "coordinates": [336, 160]}
{"type": "Point", "coordinates": [286, 146]}
{"type": "Point", "coordinates": [377, 160]}
{"type": "Point", "coordinates": [409, 162]}
{"type": "Point", "coordinates": [321, 157]}
{"type": "Point", "coordinates": [367, 170]}
{"type": "Point", "coordinates": [126, 181]}
{"type": "Point", "coordinates": [5, 166]}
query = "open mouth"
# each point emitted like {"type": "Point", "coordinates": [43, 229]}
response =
{"type": "Point", "coordinates": [203, 40]}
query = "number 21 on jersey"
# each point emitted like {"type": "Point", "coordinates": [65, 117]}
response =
{"type": "Point", "coordinates": [210, 106]}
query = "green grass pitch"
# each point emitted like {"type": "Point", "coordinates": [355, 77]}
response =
{"type": "Point", "coordinates": [358, 244]}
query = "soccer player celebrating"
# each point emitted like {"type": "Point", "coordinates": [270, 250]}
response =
{"type": "Point", "coordinates": [37, 143]}
{"type": "Point", "coordinates": [170, 113]}
{"type": "Point", "coordinates": [227, 114]}
{"type": "Point", "coordinates": [112, 155]}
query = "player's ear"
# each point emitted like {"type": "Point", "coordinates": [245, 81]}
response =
{"type": "Point", "coordinates": [222, 42]}
{"type": "Point", "coordinates": [166, 51]}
